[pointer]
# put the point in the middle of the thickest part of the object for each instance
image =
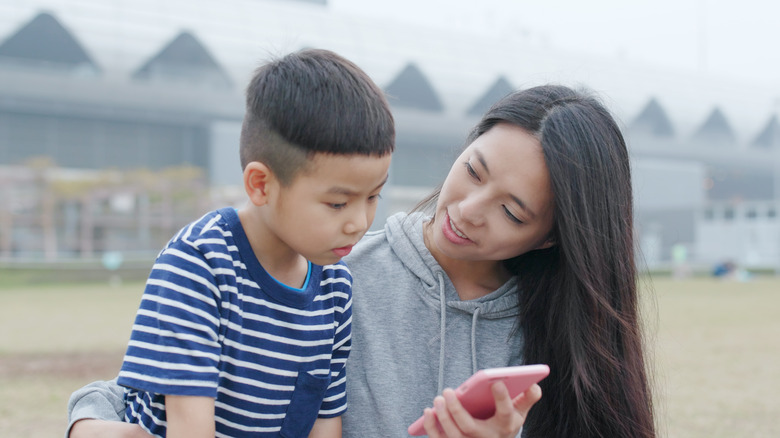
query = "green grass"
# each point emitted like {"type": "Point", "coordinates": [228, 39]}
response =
{"type": "Point", "coordinates": [717, 357]}
{"type": "Point", "coordinates": [716, 351]}
{"type": "Point", "coordinates": [67, 318]}
{"type": "Point", "coordinates": [55, 339]}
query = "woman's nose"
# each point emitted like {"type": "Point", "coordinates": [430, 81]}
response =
{"type": "Point", "coordinates": [472, 209]}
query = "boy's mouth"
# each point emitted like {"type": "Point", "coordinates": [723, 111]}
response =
{"type": "Point", "coordinates": [343, 251]}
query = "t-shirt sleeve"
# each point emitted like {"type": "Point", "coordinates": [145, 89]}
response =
{"type": "Point", "coordinates": [335, 402]}
{"type": "Point", "coordinates": [174, 346]}
{"type": "Point", "coordinates": [102, 400]}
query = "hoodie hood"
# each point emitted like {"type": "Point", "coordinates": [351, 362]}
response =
{"type": "Point", "coordinates": [405, 236]}
{"type": "Point", "coordinates": [412, 335]}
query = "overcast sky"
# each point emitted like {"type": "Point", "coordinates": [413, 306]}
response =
{"type": "Point", "coordinates": [737, 39]}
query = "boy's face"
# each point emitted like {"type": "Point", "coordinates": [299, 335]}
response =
{"type": "Point", "coordinates": [329, 206]}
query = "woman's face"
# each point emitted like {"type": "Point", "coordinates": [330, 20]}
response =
{"type": "Point", "coordinates": [496, 202]}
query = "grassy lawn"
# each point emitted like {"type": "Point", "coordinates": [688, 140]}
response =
{"type": "Point", "coordinates": [716, 352]}
{"type": "Point", "coordinates": [55, 339]}
{"type": "Point", "coordinates": [718, 357]}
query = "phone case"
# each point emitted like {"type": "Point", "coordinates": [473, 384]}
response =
{"type": "Point", "coordinates": [476, 396]}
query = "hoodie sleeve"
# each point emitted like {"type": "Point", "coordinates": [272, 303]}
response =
{"type": "Point", "coordinates": [102, 400]}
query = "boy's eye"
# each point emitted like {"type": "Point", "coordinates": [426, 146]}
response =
{"type": "Point", "coordinates": [338, 206]}
{"type": "Point", "coordinates": [511, 217]}
{"type": "Point", "coordinates": [374, 198]}
{"type": "Point", "coordinates": [471, 171]}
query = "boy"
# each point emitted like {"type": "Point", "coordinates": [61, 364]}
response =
{"type": "Point", "coordinates": [244, 326]}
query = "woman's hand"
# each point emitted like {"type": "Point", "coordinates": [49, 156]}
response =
{"type": "Point", "coordinates": [91, 428]}
{"type": "Point", "coordinates": [455, 422]}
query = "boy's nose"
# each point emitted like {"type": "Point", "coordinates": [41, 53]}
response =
{"type": "Point", "coordinates": [357, 223]}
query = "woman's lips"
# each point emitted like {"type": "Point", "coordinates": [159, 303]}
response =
{"type": "Point", "coordinates": [451, 232]}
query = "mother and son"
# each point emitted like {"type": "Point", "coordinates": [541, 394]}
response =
{"type": "Point", "coordinates": [523, 255]}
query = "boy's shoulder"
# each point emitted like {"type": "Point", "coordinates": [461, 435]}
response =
{"type": "Point", "coordinates": [336, 276]}
{"type": "Point", "coordinates": [214, 223]}
{"type": "Point", "coordinates": [214, 231]}
{"type": "Point", "coordinates": [339, 269]}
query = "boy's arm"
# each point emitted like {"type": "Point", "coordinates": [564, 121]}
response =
{"type": "Point", "coordinates": [190, 416]}
{"type": "Point", "coordinates": [334, 403]}
{"type": "Point", "coordinates": [326, 428]}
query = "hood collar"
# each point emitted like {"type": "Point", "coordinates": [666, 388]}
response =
{"type": "Point", "coordinates": [405, 235]}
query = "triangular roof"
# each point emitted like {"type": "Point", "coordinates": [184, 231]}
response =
{"type": "Point", "coordinates": [43, 40]}
{"type": "Point", "coordinates": [653, 120]}
{"type": "Point", "coordinates": [769, 137]}
{"type": "Point", "coordinates": [413, 90]}
{"type": "Point", "coordinates": [184, 58]}
{"type": "Point", "coordinates": [273, 27]}
{"type": "Point", "coordinates": [500, 88]}
{"type": "Point", "coordinates": [716, 129]}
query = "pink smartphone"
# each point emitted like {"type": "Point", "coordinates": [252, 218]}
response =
{"type": "Point", "coordinates": [476, 396]}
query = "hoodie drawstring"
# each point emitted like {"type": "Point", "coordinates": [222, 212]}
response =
{"type": "Point", "coordinates": [443, 323]}
{"type": "Point", "coordinates": [474, 340]}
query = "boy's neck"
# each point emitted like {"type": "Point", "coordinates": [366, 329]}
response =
{"type": "Point", "coordinates": [279, 260]}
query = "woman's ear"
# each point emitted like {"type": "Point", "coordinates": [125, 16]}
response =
{"type": "Point", "coordinates": [548, 243]}
{"type": "Point", "coordinates": [258, 181]}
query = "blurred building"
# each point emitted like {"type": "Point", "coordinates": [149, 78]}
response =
{"type": "Point", "coordinates": [96, 85]}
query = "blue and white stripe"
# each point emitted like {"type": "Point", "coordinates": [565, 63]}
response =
{"type": "Point", "coordinates": [213, 323]}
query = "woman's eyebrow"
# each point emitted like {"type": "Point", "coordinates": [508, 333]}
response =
{"type": "Point", "coordinates": [518, 201]}
{"type": "Point", "coordinates": [523, 206]}
{"type": "Point", "coordinates": [481, 159]}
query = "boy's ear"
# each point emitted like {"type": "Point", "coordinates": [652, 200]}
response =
{"type": "Point", "coordinates": [258, 181]}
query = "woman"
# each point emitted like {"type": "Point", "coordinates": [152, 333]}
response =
{"type": "Point", "coordinates": [525, 255]}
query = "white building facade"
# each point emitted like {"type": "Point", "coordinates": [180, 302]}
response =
{"type": "Point", "coordinates": [129, 85]}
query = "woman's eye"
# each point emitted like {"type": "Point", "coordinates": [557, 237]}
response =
{"type": "Point", "coordinates": [471, 171]}
{"type": "Point", "coordinates": [511, 217]}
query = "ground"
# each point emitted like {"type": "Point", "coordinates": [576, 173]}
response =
{"type": "Point", "coordinates": [714, 348]}
{"type": "Point", "coordinates": [36, 388]}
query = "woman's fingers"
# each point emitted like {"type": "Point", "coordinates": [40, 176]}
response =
{"type": "Point", "coordinates": [507, 419]}
{"type": "Point", "coordinates": [451, 420]}
{"type": "Point", "coordinates": [447, 425]}
{"type": "Point", "coordinates": [525, 401]}
{"type": "Point", "coordinates": [431, 423]}
{"type": "Point", "coordinates": [459, 421]}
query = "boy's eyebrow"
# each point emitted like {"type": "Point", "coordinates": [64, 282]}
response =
{"type": "Point", "coordinates": [518, 201]}
{"type": "Point", "coordinates": [345, 191]}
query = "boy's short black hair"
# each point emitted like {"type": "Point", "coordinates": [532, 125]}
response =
{"type": "Point", "coordinates": [313, 101]}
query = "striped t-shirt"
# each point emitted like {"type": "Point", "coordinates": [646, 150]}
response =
{"type": "Point", "coordinates": [213, 322]}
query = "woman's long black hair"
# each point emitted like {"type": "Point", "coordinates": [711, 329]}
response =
{"type": "Point", "coordinates": [579, 298]}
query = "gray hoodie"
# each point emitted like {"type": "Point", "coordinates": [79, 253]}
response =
{"type": "Point", "coordinates": [411, 335]}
